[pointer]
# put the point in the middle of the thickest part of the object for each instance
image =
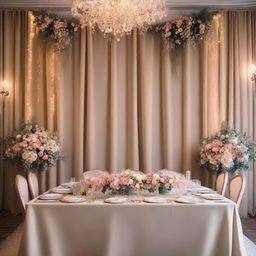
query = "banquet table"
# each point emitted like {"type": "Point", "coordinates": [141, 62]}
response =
{"type": "Point", "coordinates": [134, 228]}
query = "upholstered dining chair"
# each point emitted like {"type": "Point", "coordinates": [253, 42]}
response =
{"type": "Point", "coordinates": [22, 190]}
{"type": "Point", "coordinates": [33, 184]}
{"type": "Point", "coordinates": [221, 183]}
{"type": "Point", "coordinates": [236, 188]}
{"type": "Point", "coordinates": [95, 173]}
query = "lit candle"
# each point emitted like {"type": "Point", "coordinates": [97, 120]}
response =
{"type": "Point", "coordinates": [4, 87]}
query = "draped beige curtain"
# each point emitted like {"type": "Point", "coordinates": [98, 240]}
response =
{"type": "Point", "coordinates": [237, 98]}
{"type": "Point", "coordinates": [131, 104]}
{"type": "Point", "coordinates": [13, 45]}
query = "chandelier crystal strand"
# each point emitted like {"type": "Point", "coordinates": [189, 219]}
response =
{"type": "Point", "coordinates": [118, 17]}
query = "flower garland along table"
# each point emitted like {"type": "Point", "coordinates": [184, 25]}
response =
{"type": "Point", "coordinates": [128, 182]}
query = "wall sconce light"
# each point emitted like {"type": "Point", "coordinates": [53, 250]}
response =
{"type": "Point", "coordinates": [253, 72]}
{"type": "Point", "coordinates": [4, 87]}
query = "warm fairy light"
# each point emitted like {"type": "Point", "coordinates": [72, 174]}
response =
{"type": "Point", "coordinates": [28, 88]}
{"type": "Point", "coordinates": [118, 17]}
{"type": "Point", "coordinates": [253, 72]}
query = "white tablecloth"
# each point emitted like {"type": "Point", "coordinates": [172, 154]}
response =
{"type": "Point", "coordinates": [59, 229]}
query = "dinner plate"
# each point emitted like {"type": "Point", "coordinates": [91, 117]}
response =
{"type": "Point", "coordinates": [212, 196]}
{"type": "Point", "coordinates": [68, 184]}
{"type": "Point", "coordinates": [201, 190]}
{"type": "Point", "coordinates": [61, 190]}
{"type": "Point", "coordinates": [50, 196]}
{"type": "Point", "coordinates": [116, 200]}
{"type": "Point", "coordinates": [154, 199]}
{"type": "Point", "coordinates": [73, 199]}
{"type": "Point", "coordinates": [188, 200]}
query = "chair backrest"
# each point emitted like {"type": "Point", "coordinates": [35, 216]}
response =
{"type": "Point", "coordinates": [33, 184]}
{"type": "Point", "coordinates": [221, 183]}
{"type": "Point", "coordinates": [236, 188]}
{"type": "Point", "coordinates": [22, 190]}
{"type": "Point", "coordinates": [95, 173]}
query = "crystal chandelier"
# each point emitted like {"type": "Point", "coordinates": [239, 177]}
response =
{"type": "Point", "coordinates": [118, 17]}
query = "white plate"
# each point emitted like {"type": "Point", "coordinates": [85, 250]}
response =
{"type": "Point", "coordinates": [155, 200]}
{"type": "Point", "coordinates": [212, 196]}
{"type": "Point", "coordinates": [116, 200]}
{"type": "Point", "coordinates": [201, 190]}
{"type": "Point", "coordinates": [206, 192]}
{"type": "Point", "coordinates": [68, 184]}
{"type": "Point", "coordinates": [188, 200]}
{"type": "Point", "coordinates": [61, 190]}
{"type": "Point", "coordinates": [50, 196]}
{"type": "Point", "coordinates": [73, 199]}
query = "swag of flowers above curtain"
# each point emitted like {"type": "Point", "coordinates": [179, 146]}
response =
{"type": "Point", "coordinates": [175, 33]}
{"type": "Point", "coordinates": [58, 31]}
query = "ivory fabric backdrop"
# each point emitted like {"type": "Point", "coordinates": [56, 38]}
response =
{"type": "Point", "coordinates": [130, 104]}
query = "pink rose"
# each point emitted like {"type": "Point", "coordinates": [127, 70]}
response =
{"type": "Point", "coordinates": [35, 145]}
{"type": "Point", "coordinates": [40, 154]}
{"type": "Point", "coordinates": [215, 149]}
{"type": "Point", "coordinates": [45, 157]}
{"type": "Point", "coordinates": [41, 148]}
{"type": "Point", "coordinates": [167, 26]}
{"type": "Point", "coordinates": [16, 148]}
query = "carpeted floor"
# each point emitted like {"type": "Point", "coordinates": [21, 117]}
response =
{"type": "Point", "coordinates": [10, 246]}
{"type": "Point", "coordinates": [249, 228]}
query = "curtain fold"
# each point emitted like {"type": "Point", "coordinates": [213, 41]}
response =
{"type": "Point", "coordinates": [13, 53]}
{"type": "Point", "coordinates": [237, 97]}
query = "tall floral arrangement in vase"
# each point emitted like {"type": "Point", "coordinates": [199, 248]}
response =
{"type": "Point", "coordinates": [227, 150]}
{"type": "Point", "coordinates": [36, 148]}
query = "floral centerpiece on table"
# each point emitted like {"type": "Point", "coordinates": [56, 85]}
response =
{"type": "Point", "coordinates": [227, 150]}
{"type": "Point", "coordinates": [128, 182]}
{"type": "Point", "coordinates": [58, 30]}
{"type": "Point", "coordinates": [35, 147]}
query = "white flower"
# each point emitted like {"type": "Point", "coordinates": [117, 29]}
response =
{"type": "Point", "coordinates": [26, 155]}
{"type": "Point", "coordinates": [139, 177]}
{"type": "Point", "coordinates": [246, 157]}
{"type": "Point", "coordinates": [227, 160]}
{"type": "Point", "coordinates": [18, 136]}
{"type": "Point", "coordinates": [130, 181]}
{"type": "Point", "coordinates": [32, 158]}
{"type": "Point", "coordinates": [156, 176]}
{"type": "Point", "coordinates": [234, 140]}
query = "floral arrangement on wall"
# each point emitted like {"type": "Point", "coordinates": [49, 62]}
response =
{"type": "Point", "coordinates": [180, 31]}
{"type": "Point", "coordinates": [227, 150]}
{"type": "Point", "coordinates": [36, 148]}
{"type": "Point", "coordinates": [176, 33]}
{"type": "Point", "coordinates": [129, 181]}
{"type": "Point", "coordinates": [57, 30]}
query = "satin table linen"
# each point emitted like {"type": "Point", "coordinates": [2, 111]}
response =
{"type": "Point", "coordinates": [132, 229]}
